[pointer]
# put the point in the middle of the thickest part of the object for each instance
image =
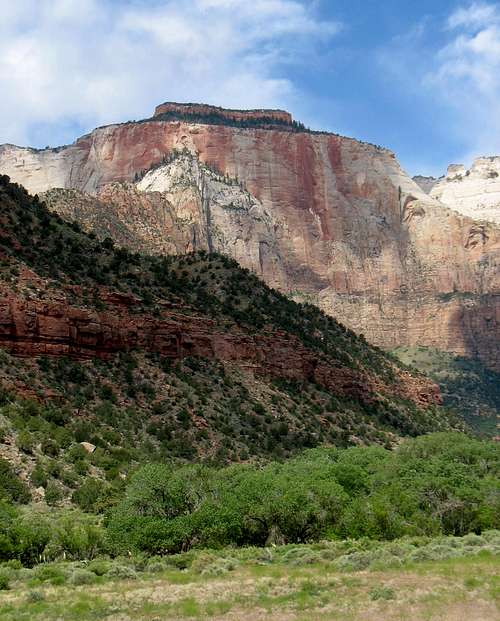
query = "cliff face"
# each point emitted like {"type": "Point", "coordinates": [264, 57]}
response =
{"type": "Point", "coordinates": [324, 218]}
{"type": "Point", "coordinates": [63, 293]}
{"type": "Point", "coordinates": [473, 192]}
{"type": "Point", "coordinates": [266, 116]}
{"type": "Point", "coordinates": [426, 183]}
{"type": "Point", "coordinates": [56, 328]}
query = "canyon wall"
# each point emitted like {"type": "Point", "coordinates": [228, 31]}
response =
{"type": "Point", "coordinates": [324, 218]}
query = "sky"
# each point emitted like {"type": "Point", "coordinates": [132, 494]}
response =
{"type": "Point", "coordinates": [421, 78]}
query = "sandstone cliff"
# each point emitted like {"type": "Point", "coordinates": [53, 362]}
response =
{"type": "Point", "coordinates": [323, 218]}
{"type": "Point", "coordinates": [223, 114]}
{"type": "Point", "coordinates": [64, 294]}
{"type": "Point", "coordinates": [473, 192]}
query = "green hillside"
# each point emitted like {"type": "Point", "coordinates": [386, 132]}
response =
{"type": "Point", "coordinates": [467, 386]}
{"type": "Point", "coordinates": [138, 406]}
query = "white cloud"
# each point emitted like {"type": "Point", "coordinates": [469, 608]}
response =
{"type": "Point", "coordinates": [466, 76]}
{"type": "Point", "coordinates": [89, 62]}
{"type": "Point", "coordinates": [450, 68]}
{"type": "Point", "coordinates": [477, 14]}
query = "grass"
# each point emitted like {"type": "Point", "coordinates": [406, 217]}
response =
{"type": "Point", "coordinates": [465, 587]}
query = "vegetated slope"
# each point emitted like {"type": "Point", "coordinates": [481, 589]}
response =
{"type": "Point", "coordinates": [329, 219]}
{"type": "Point", "coordinates": [136, 408]}
{"type": "Point", "coordinates": [467, 387]}
{"type": "Point", "coordinates": [189, 356]}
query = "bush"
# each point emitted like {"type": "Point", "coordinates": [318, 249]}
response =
{"type": "Point", "coordinates": [301, 556]}
{"type": "Point", "coordinates": [50, 447]}
{"type": "Point", "coordinates": [99, 567]}
{"type": "Point", "coordinates": [89, 495]}
{"type": "Point", "coordinates": [208, 564]}
{"type": "Point", "coordinates": [157, 566]}
{"type": "Point", "coordinates": [382, 592]}
{"type": "Point", "coordinates": [39, 476]}
{"type": "Point", "coordinates": [122, 572]}
{"type": "Point", "coordinates": [50, 572]}
{"type": "Point", "coordinates": [356, 561]}
{"type": "Point", "coordinates": [11, 487]}
{"type": "Point", "coordinates": [5, 578]}
{"type": "Point", "coordinates": [53, 493]}
{"type": "Point", "coordinates": [23, 535]}
{"type": "Point", "coordinates": [82, 576]}
{"type": "Point", "coordinates": [25, 442]}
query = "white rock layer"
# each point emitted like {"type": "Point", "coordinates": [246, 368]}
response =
{"type": "Point", "coordinates": [474, 192]}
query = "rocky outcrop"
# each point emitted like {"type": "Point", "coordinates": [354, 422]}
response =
{"type": "Point", "coordinates": [326, 219]}
{"type": "Point", "coordinates": [56, 328]}
{"type": "Point", "coordinates": [425, 183]}
{"type": "Point", "coordinates": [473, 192]}
{"type": "Point", "coordinates": [204, 110]}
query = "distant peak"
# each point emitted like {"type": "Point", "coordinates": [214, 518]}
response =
{"type": "Point", "coordinates": [206, 110]}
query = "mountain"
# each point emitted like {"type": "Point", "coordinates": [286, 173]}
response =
{"type": "Point", "coordinates": [187, 344]}
{"type": "Point", "coordinates": [473, 192]}
{"type": "Point", "coordinates": [323, 218]}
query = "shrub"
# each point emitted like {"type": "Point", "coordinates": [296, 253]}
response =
{"type": "Point", "coordinates": [82, 576]}
{"type": "Point", "coordinates": [157, 566]}
{"type": "Point", "coordinates": [88, 496]}
{"type": "Point", "coordinates": [50, 572]}
{"type": "Point", "coordinates": [99, 567]}
{"type": "Point", "coordinates": [11, 487]}
{"type": "Point", "coordinates": [5, 578]}
{"type": "Point", "coordinates": [25, 442]}
{"type": "Point", "coordinates": [23, 535]}
{"type": "Point", "coordinates": [122, 572]}
{"type": "Point", "coordinates": [207, 564]}
{"type": "Point", "coordinates": [53, 493]}
{"type": "Point", "coordinates": [50, 447]}
{"type": "Point", "coordinates": [75, 536]}
{"type": "Point", "coordinates": [220, 567]}
{"type": "Point", "coordinates": [382, 592]}
{"type": "Point", "coordinates": [39, 476]}
{"type": "Point", "coordinates": [356, 561]}
{"type": "Point", "coordinates": [301, 556]}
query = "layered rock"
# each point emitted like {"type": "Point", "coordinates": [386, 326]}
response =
{"type": "Point", "coordinates": [473, 192]}
{"type": "Point", "coordinates": [204, 110]}
{"type": "Point", "coordinates": [324, 218]}
{"type": "Point", "coordinates": [57, 328]}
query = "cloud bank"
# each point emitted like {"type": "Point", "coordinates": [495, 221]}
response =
{"type": "Point", "coordinates": [69, 65]}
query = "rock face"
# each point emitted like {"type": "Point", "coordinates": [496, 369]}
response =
{"type": "Point", "coordinates": [266, 116]}
{"type": "Point", "coordinates": [425, 183]}
{"type": "Point", "coordinates": [474, 192]}
{"type": "Point", "coordinates": [324, 218]}
{"type": "Point", "coordinates": [56, 328]}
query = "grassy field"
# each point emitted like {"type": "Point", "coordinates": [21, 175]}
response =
{"type": "Point", "coordinates": [293, 582]}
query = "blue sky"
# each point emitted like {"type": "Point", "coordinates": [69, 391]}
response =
{"type": "Point", "coordinates": [422, 78]}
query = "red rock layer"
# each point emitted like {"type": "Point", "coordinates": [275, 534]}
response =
{"type": "Point", "coordinates": [34, 328]}
{"type": "Point", "coordinates": [354, 234]}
